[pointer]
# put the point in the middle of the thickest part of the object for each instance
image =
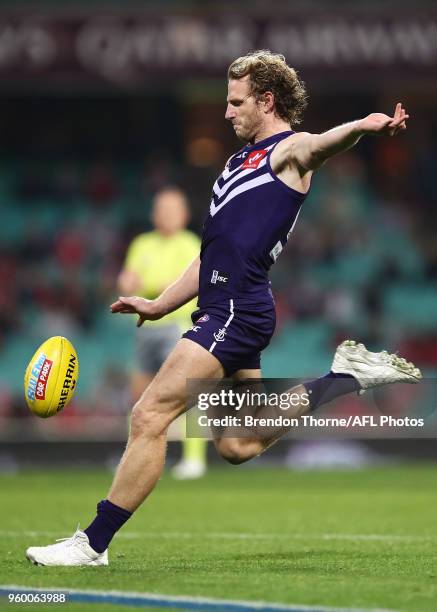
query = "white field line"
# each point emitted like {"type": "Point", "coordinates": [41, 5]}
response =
{"type": "Point", "coordinates": [138, 535]}
{"type": "Point", "coordinates": [183, 602]}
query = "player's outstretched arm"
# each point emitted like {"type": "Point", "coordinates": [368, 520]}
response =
{"type": "Point", "coordinates": [310, 151]}
{"type": "Point", "coordinates": [184, 289]}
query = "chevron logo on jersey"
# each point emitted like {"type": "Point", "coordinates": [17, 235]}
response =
{"type": "Point", "coordinates": [252, 173]}
{"type": "Point", "coordinates": [254, 159]}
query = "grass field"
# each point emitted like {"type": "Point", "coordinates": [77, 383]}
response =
{"type": "Point", "coordinates": [351, 539]}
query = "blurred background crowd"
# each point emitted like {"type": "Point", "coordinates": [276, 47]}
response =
{"type": "Point", "coordinates": [81, 157]}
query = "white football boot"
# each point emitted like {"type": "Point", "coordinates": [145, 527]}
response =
{"type": "Point", "coordinates": [67, 551]}
{"type": "Point", "coordinates": [373, 369]}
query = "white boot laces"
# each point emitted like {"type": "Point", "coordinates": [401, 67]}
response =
{"type": "Point", "coordinates": [385, 357]}
{"type": "Point", "coordinates": [72, 539]}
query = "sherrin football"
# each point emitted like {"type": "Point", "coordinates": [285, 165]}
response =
{"type": "Point", "coordinates": [51, 377]}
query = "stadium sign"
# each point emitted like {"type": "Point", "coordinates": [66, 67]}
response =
{"type": "Point", "coordinates": [125, 49]}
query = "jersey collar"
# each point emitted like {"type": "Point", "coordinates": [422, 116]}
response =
{"type": "Point", "coordinates": [261, 144]}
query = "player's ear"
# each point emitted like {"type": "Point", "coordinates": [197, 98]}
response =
{"type": "Point", "coordinates": [269, 102]}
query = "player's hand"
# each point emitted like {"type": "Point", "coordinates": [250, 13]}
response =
{"type": "Point", "coordinates": [378, 123]}
{"type": "Point", "coordinates": [145, 309]}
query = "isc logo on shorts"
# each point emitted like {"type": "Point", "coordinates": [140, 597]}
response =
{"type": "Point", "coordinates": [217, 277]}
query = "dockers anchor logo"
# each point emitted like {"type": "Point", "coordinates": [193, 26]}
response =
{"type": "Point", "coordinates": [220, 334]}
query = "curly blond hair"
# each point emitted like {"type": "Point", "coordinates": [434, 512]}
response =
{"type": "Point", "coordinates": [269, 72]}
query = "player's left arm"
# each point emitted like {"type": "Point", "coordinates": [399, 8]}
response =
{"type": "Point", "coordinates": [310, 151]}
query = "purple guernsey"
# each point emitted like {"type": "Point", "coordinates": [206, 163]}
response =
{"type": "Point", "coordinates": [251, 217]}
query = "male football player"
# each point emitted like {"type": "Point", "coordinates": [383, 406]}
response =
{"type": "Point", "coordinates": [254, 207]}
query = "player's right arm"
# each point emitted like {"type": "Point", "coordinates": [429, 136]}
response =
{"type": "Point", "coordinates": [310, 151]}
{"type": "Point", "coordinates": [184, 289]}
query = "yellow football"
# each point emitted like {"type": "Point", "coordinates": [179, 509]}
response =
{"type": "Point", "coordinates": [51, 377]}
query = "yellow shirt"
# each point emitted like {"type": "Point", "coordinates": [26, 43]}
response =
{"type": "Point", "coordinates": [159, 260]}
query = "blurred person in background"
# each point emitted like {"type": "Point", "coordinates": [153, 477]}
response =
{"type": "Point", "coordinates": [153, 261]}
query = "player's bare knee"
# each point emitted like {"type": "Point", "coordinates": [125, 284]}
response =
{"type": "Point", "coordinates": [147, 421]}
{"type": "Point", "coordinates": [236, 450]}
{"type": "Point", "coordinates": [154, 412]}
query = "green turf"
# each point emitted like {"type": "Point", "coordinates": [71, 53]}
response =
{"type": "Point", "coordinates": [241, 533]}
